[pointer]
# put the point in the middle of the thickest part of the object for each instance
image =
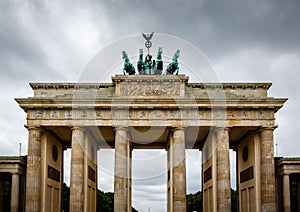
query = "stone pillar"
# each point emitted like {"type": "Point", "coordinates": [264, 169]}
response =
{"type": "Point", "coordinates": [268, 195]}
{"type": "Point", "coordinates": [286, 193]}
{"type": "Point", "coordinates": [122, 184]}
{"type": "Point", "coordinates": [169, 178]}
{"type": "Point", "coordinates": [177, 172]}
{"type": "Point", "coordinates": [129, 168]}
{"type": "Point", "coordinates": [33, 179]}
{"type": "Point", "coordinates": [223, 170]}
{"type": "Point", "coordinates": [77, 170]}
{"type": "Point", "coordinates": [14, 202]}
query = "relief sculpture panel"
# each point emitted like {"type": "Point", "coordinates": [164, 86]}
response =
{"type": "Point", "coordinates": [149, 90]}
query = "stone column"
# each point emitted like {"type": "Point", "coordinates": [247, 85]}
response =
{"type": "Point", "coordinates": [14, 202]}
{"type": "Point", "coordinates": [129, 168]}
{"type": "Point", "coordinates": [169, 178]}
{"type": "Point", "coordinates": [286, 193]}
{"type": "Point", "coordinates": [122, 184]}
{"type": "Point", "coordinates": [77, 170]}
{"type": "Point", "coordinates": [33, 178]}
{"type": "Point", "coordinates": [177, 171]}
{"type": "Point", "coordinates": [223, 170]}
{"type": "Point", "coordinates": [268, 195]}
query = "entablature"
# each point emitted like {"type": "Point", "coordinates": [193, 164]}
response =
{"type": "Point", "coordinates": [149, 99]}
{"type": "Point", "coordinates": [121, 103]}
{"type": "Point", "coordinates": [150, 86]}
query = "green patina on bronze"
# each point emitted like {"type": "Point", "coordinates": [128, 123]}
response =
{"type": "Point", "coordinates": [128, 67]}
{"type": "Point", "coordinates": [159, 62]}
{"type": "Point", "coordinates": [173, 66]}
{"type": "Point", "coordinates": [149, 66]}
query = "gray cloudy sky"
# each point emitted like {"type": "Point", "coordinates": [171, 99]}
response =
{"type": "Point", "coordinates": [249, 40]}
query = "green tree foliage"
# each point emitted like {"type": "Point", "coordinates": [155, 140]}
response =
{"type": "Point", "coordinates": [105, 201]}
{"type": "Point", "coordinates": [234, 200]}
{"type": "Point", "coordinates": [194, 202]}
{"type": "Point", "coordinates": [66, 198]}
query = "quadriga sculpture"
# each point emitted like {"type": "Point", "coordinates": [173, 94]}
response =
{"type": "Point", "coordinates": [173, 66]}
{"type": "Point", "coordinates": [128, 67]}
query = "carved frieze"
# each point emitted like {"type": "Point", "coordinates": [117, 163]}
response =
{"type": "Point", "coordinates": [151, 114]}
{"type": "Point", "coordinates": [68, 114]}
{"type": "Point", "coordinates": [99, 114]}
{"type": "Point", "coordinates": [219, 114]}
{"type": "Point", "coordinates": [238, 114]}
{"type": "Point", "coordinates": [186, 114]}
{"type": "Point", "coordinates": [39, 114]}
{"type": "Point", "coordinates": [261, 114]}
{"type": "Point", "coordinates": [245, 114]}
{"type": "Point", "coordinates": [157, 114]}
{"type": "Point", "coordinates": [122, 114]}
{"type": "Point", "coordinates": [172, 114]}
{"type": "Point", "coordinates": [132, 90]}
{"type": "Point", "coordinates": [204, 114]}
{"type": "Point", "coordinates": [54, 114]}
{"type": "Point", "coordinates": [248, 114]}
{"type": "Point", "coordinates": [142, 114]}
{"type": "Point", "coordinates": [231, 114]}
{"type": "Point", "coordinates": [102, 114]}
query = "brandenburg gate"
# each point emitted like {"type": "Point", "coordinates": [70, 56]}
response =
{"type": "Point", "coordinates": [142, 112]}
{"type": "Point", "coordinates": [151, 110]}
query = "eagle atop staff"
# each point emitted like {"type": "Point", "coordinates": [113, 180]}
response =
{"type": "Point", "coordinates": [148, 36]}
{"type": "Point", "coordinates": [148, 43]}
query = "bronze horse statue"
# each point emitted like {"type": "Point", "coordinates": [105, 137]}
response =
{"type": "Point", "coordinates": [128, 67]}
{"type": "Point", "coordinates": [173, 66]}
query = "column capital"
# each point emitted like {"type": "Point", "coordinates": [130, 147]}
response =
{"type": "Point", "coordinates": [78, 128]}
{"type": "Point", "coordinates": [262, 128]}
{"type": "Point", "coordinates": [178, 128]}
{"type": "Point", "coordinates": [119, 127]}
{"type": "Point", "coordinates": [217, 129]}
{"type": "Point", "coordinates": [17, 172]}
{"type": "Point", "coordinates": [28, 127]}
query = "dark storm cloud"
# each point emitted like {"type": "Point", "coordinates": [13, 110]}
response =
{"type": "Point", "coordinates": [216, 27]}
{"type": "Point", "coordinates": [249, 40]}
{"type": "Point", "coordinates": [20, 56]}
{"type": "Point", "coordinates": [242, 24]}
{"type": "Point", "coordinates": [28, 37]}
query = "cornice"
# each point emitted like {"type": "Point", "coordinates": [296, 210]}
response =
{"type": "Point", "coordinates": [50, 103]}
{"type": "Point", "coordinates": [215, 85]}
{"type": "Point", "coordinates": [69, 86]}
{"type": "Point", "coordinates": [150, 78]}
{"type": "Point", "coordinates": [232, 85]}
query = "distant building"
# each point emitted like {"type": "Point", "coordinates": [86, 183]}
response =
{"type": "Point", "coordinates": [12, 183]}
{"type": "Point", "coordinates": [288, 183]}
